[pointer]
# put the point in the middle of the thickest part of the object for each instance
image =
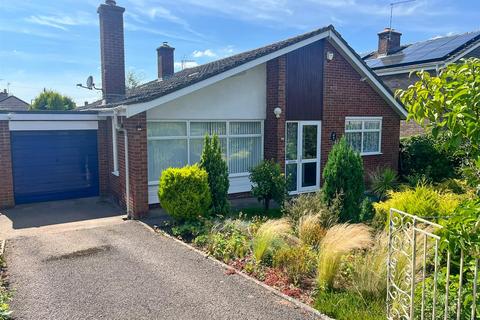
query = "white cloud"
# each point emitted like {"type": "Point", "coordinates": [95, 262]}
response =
{"type": "Point", "coordinates": [205, 53]}
{"type": "Point", "coordinates": [62, 21]}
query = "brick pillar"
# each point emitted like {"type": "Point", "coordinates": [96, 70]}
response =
{"type": "Point", "coordinates": [6, 179]}
{"type": "Point", "coordinates": [103, 170]}
{"type": "Point", "coordinates": [275, 127]}
{"type": "Point", "coordinates": [136, 127]}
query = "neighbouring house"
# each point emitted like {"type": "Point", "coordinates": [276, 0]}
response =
{"type": "Point", "coordinates": [393, 61]}
{"type": "Point", "coordinates": [288, 101]}
{"type": "Point", "coordinates": [9, 102]}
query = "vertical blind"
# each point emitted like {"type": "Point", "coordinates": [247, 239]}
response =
{"type": "Point", "coordinates": [176, 144]}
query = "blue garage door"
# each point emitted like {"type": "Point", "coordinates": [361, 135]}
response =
{"type": "Point", "coordinates": [54, 165]}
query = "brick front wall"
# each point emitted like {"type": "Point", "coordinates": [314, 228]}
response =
{"type": "Point", "coordinates": [345, 95]}
{"type": "Point", "coordinates": [138, 167]}
{"type": "Point", "coordinates": [6, 178]}
{"type": "Point", "coordinates": [103, 168]}
{"type": "Point", "coordinates": [275, 128]}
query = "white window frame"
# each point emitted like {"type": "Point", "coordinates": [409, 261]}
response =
{"type": "Point", "coordinates": [363, 130]}
{"type": "Point", "coordinates": [299, 161]}
{"type": "Point", "coordinates": [227, 135]}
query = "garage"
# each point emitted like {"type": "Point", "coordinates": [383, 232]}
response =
{"type": "Point", "coordinates": [53, 156]}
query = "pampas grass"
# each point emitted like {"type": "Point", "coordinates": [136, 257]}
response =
{"type": "Point", "coordinates": [271, 235]}
{"type": "Point", "coordinates": [338, 241]}
{"type": "Point", "coordinates": [310, 230]}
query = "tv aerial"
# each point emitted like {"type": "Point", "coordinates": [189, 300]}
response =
{"type": "Point", "coordinates": [90, 85]}
{"type": "Point", "coordinates": [394, 4]}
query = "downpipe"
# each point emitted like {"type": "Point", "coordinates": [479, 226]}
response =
{"type": "Point", "coordinates": [122, 129]}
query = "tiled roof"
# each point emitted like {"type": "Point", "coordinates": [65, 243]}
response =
{"type": "Point", "coordinates": [156, 88]}
{"type": "Point", "coordinates": [437, 49]}
{"type": "Point", "coordinates": [12, 103]}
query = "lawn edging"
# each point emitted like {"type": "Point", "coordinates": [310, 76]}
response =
{"type": "Point", "coordinates": [298, 304]}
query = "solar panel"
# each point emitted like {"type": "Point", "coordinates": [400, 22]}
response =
{"type": "Point", "coordinates": [424, 51]}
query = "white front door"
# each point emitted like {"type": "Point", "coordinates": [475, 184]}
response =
{"type": "Point", "coordinates": [302, 156]}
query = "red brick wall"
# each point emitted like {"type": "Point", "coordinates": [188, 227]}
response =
{"type": "Point", "coordinates": [6, 179]}
{"type": "Point", "coordinates": [345, 95]}
{"type": "Point", "coordinates": [274, 140]}
{"type": "Point", "coordinates": [138, 167]}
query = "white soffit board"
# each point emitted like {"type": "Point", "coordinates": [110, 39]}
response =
{"type": "Point", "coordinates": [52, 125]}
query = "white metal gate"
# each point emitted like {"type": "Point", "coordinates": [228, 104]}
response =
{"type": "Point", "coordinates": [419, 274]}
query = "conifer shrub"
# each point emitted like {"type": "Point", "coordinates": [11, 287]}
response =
{"type": "Point", "coordinates": [343, 174]}
{"type": "Point", "coordinates": [216, 167]}
{"type": "Point", "coordinates": [184, 193]}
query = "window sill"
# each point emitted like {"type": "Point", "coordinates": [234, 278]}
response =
{"type": "Point", "coordinates": [371, 154]}
{"type": "Point", "coordinates": [116, 173]}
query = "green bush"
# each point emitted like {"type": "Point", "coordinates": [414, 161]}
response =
{"type": "Point", "coordinates": [312, 203]}
{"type": "Point", "coordinates": [367, 212]}
{"type": "Point", "coordinates": [297, 262]}
{"type": "Point", "coordinates": [217, 170]}
{"type": "Point", "coordinates": [184, 192]}
{"type": "Point", "coordinates": [423, 201]}
{"type": "Point", "coordinates": [268, 183]}
{"type": "Point", "coordinates": [423, 155]}
{"type": "Point", "coordinates": [343, 174]}
{"type": "Point", "coordinates": [5, 295]}
{"type": "Point", "coordinates": [228, 241]}
{"type": "Point", "coordinates": [382, 181]}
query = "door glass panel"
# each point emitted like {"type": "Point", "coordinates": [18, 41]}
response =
{"type": "Point", "coordinates": [292, 137]}
{"type": "Point", "coordinates": [291, 176]}
{"type": "Point", "coordinates": [309, 174]}
{"type": "Point", "coordinates": [309, 147]}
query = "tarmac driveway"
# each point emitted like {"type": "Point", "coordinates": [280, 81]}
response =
{"type": "Point", "coordinates": [125, 271]}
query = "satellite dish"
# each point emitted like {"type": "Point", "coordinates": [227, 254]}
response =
{"type": "Point", "coordinates": [90, 83]}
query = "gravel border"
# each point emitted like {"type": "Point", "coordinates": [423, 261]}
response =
{"type": "Point", "coordinates": [298, 304]}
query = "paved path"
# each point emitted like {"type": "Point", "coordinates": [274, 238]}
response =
{"type": "Point", "coordinates": [124, 271]}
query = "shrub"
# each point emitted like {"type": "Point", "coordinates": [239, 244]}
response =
{"type": "Point", "coordinates": [343, 174]}
{"type": "Point", "coordinates": [5, 295]}
{"type": "Point", "coordinates": [423, 201]}
{"type": "Point", "coordinates": [217, 170]}
{"type": "Point", "coordinates": [189, 230]}
{"type": "Point", "coordinates": [367, 211]}
{"type": "Point", "coordinates": [338, 241]}
{"type": "Point", "coordinates": [298, 262]}
{"type": "Point", "coordinates": [268, 183]}
{"type": "Point", "coordinates": [310, 230]}
{"type": "Point", "coordinates": [423, 155]}
{"type": "Point", "coordinates": [184, 192]}
{"type": "Point", "coordinates": [270, 236]}
{"type": "Point", "coordinates": [312, 203]}
{"type": "Point", "coordinates": [227, 241]}
{"type": "Point", "coordinates": [382, 181]}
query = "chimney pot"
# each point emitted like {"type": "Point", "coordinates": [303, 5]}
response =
{"type": "Point", "coordinates": [388, 41]}
{"type": "Point", "coordinates": [110, 2]}
{"type": "Point", "coordinates": [165, 57]}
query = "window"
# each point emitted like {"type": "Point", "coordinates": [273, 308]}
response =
{"type": "Point", "coordinates": [364, 134]}
{"type": "Point", "coordinates": [178, 143]}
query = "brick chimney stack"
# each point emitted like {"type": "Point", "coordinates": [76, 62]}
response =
{"type": "Point", "coordinates": [388, 41]}
{"type": "Point", "coordinates": [165, 61]}
{"type": "Point", "coordinates": [112, 50]}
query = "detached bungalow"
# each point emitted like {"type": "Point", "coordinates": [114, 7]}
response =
{"type": "Point", "coordinates": [288, 101]}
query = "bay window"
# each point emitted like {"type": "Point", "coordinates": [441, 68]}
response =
{"type": "Point", "coordinates": [364, 134]}
{"type": "Point", "coordinates": [178, 143]}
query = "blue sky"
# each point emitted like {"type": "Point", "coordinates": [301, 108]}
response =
{"type": "Point", "coordinates": [55, 44]}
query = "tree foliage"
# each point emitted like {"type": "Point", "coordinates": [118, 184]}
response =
{"type": "Point", "coordinates": [449, 105]}
{"type": "Point", "coordinates": [343, 175]}
{"type": "Point", "coordinates": [268, 183]}
{"type": "Point", "coordinates": [52, 100]}
{"type": "Point", "coordinates": [216, 167]}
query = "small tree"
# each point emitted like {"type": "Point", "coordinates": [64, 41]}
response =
{"type": "Point", "coordinates": [268, 183]}
{"type": "Point", "coordinates": [217, 170]}
{"type": "Point", "coordinates": [52, 100]}
{"type": "Point", "coordinates": [449, 105]}
{"type": "Point", "coordinates": [343, 175]}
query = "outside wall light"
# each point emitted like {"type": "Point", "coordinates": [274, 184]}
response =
{"type": "Point", "coordinates": [277, 111]}
{"type": "Point", "coordinates": [330, 55]}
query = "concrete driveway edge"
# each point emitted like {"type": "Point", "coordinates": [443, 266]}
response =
{"type": "Point", "coordinates": [225, 266]}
